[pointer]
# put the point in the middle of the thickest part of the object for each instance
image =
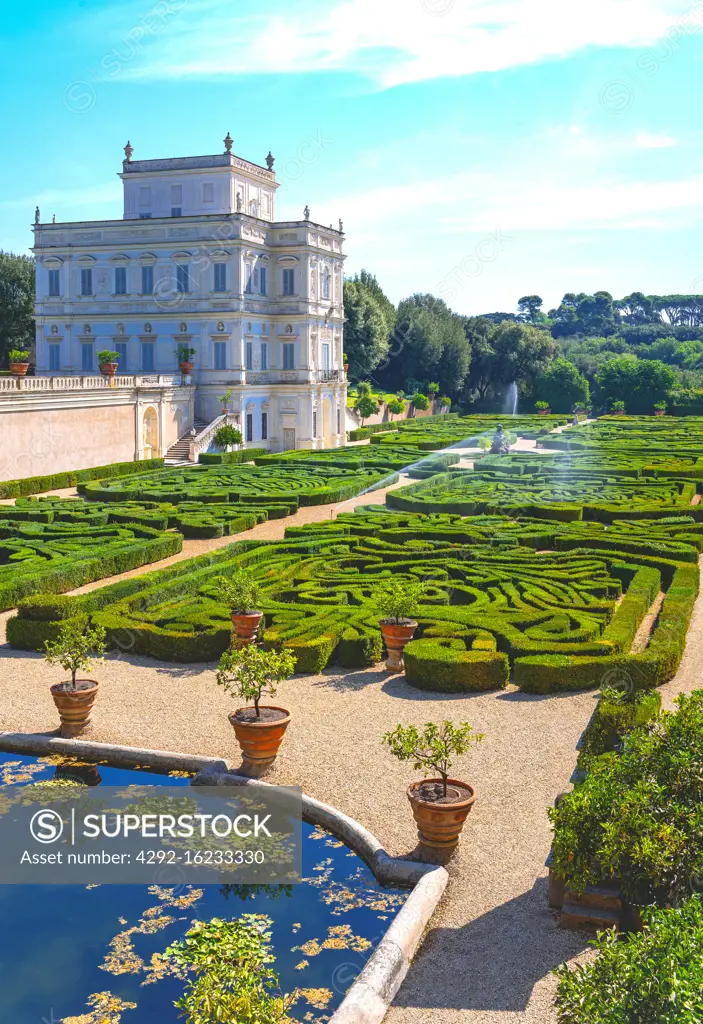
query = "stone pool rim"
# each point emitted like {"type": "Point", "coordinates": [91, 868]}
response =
{"type": "Point", "coordinates": [369, 997]}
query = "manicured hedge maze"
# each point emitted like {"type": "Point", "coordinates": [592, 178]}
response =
{"type": "Point", "coordinates": [554, 605]}
{"type": "Point", "coordinates": [43, 557]}
{"type": "Point", "coordinates": [443, 431]}
{"type": "Point", "coordinates": [298, 485]}
{"type": "Point", "coordinates": [556, 487]}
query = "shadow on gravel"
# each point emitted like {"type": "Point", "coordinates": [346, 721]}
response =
{"type": "Point", "coordinates": [492, 963]}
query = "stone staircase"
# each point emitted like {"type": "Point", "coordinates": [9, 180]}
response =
{"type": "Point", "coordinates": [177, 454]}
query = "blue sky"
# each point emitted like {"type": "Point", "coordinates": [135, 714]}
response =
{"type": "Point", "coordinates": [477, 149]}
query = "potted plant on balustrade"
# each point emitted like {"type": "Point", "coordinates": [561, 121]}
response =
{"type": "Point", "coordinates": [543, 408]}
{"type": "Point", "coordinates": [240, 592]}
{"type": "Point", "coordinates": [249, 672]}
{"type": "Point", "coordinates": [617, 408]}
{"type": "Point", "coordinates": [440, 804]}
{"type": "Point", "coordinates": [74, 648]}
{"type": "Point", "coordinates": [227, 436]}
{"type": "Point", "coordinates": [397, 600]}
{"type": "Point", "coordinates": [345, 362]}
{"type": "Point", "coordinates": [660, 408]}
{"type": "Point", "coordinates": [18, 360]}
{"type": "Point", "coordinates": [184, 354]}
{"type": "Point", "coordinates": [225, 400]}
{"type": "Point", "coordinates": [108, 362]}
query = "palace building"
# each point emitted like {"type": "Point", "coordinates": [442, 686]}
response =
{"type": "Point", "coordinates": [200, 262]}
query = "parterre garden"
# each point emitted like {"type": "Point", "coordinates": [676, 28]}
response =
{"type": "Point", "coordinates": [554, 572]}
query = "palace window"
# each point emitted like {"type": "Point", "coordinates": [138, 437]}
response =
{"type": "Point", "coordinates": [250, 427]}
{"type": "Point", "coordinates": [176, 211]}
{"type": "Point", "coordinates": [326, 285]}
{"type": "Point", "coordinates": [54, 283]}
{"type": "Point", "coordinates": [249, 285]}
{"type": "Point", "coordinates": [120, 280]}
{"type": "Point", "coordinates": [148, 361]}
{"type": "Point", "coordinates": [220, 355]}
{"type": "Point", "coordinates": [87, 281]}
{"type": "Point", "coordinates": [249, 355]}
{"type": "Point", "coordinates": [262, 281]}
{"type": "Point", "coordinates": [339, 421]}
{"type": "Point", "coordinates": [264, 355]}
{"type": "Point", "coordinates": [289, 282]}
{"type": "Point", "coordinates": [264, 426]}
{"type": "Point", "coordinates": [145, 216]}
{"type": "Point", "coordinates": [54, 357]}
{"type": "Point", "coordinates": [147, 280]}
{"type": "Point", "coordinates": [289, 357]}
{"type": "Point", "coordinates": [87, 357]}
{"type": "Point", "coordinates": [182, 279]}
{"type": "Point", "coordinates": [121, 350]}
{"type": "Point", "coordinates": [314, 424]}
{"type": "Point", "coordinates": [208, 192]}
{"type": "Point", "coordinates": [220, 277]}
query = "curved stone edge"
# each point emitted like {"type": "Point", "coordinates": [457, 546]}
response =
{"type": "Point", "coordinates": [369, 997]}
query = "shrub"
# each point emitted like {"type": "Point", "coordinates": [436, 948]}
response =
{"type": "Point", "coordinates": [234, 979]}
{"type": "Point", "coordinates": [184, 353]}
{"type": "Point", "coordinates": [397, 599]}
{"type": "Point", "coordinates": [541, 405]}
{"type": "Point", "coordinates": [226, 436]}
{"type": "Point", "coordinates": [651, 976]}
{"type": "Point", "coordinates": [240, 591]}
{"type": "Point", "coordinates": [17, 355]}
{"type": "Point", "coordinates": [434, 748]}
{"type": "Point", "coordinates": [637, 818]}
{"type": "Point", "coordinates": [445, 665]}
{"type": "Point", "coordinates": [106, 356]}
{"type": "Point", "coordinates": [420, 402]}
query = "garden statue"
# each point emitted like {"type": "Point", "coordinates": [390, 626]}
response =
{"type": "Point", "coordinates": [575, 421]}
{"type": "Point", "coordinates": [501, 444]}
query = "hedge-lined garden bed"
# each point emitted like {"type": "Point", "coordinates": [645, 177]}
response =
{"type": "Point", "coordinates": [503, 599]}
{"type": "Point", "coordinates": [71, 478]}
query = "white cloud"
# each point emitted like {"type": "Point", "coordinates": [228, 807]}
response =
{"type": "Point", "coordinates": [70, 199]}
{"type": "Point", "coordinates": [392, 42]}
{"type": "Point", "coordinates": [652, 140]}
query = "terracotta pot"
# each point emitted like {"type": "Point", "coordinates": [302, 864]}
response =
{"type": "Point", "coordinates": [543, 412]}
{"type": "Point", "coordinates": [246, 626]}
{"type": "Point", "coordinates": [74, 706]}
{"type": "Point", "coordinates": [395, 636]}
{"type": "Point", "coordinates": [19, 369]}
{"type": "Point", "coordinates": [260, 741]}
{"type": "Point", "coordinates": [186, 368]}
{"type": "Point", "coordinates": [108, 369]}
{"type": "Point", "coordinates": [439, 825]}
{"type": "Point", "coordinates": [346, 367]}
{"type": "Point", "coordinates": [660, 412]}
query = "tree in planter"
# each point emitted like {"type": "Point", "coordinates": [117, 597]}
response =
{"type": "Point", "coordinates": [234, 975]}
{"type": "Point", "coordinates": [421, 402]}
{"type": "Point", "coordinates": [225, 399]}
{"type": "Point", "coordinates": [445, 401]}
{"type": "Point", "coordinates": [226, 436]}
{"type": "Point", "coordinates": [240, 591]}
{"type": "Point", "coordinates": [184, 353]}
{"type": "Point", "coordinates": [366, 406]}
{"type": "Point", "coordinates": [396, 406]}
{"type": "Point", "coordinates": [397, 599]}
{"type": "Point", "coordinates": [618, 406]}
{"type": "Point", "coordinates": [75, 646]}
{"type": "Point", "coordinates": [17, 355]}
{"type": "Point", "coordinates": [542, 406]}
{"type": "Point", "coordinates": [434, 748]}
{"type": "Point", "coordinates": [249, 672]}
{"type": "Point", "coordinates": [106, 356]}
{"type": "Point", "coordinates": [433, 389]}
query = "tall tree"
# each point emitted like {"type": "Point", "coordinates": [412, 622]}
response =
{"type": "Point", "coordinates": [563, 386]}
{"type": "Point", "coordinates": [366, 331]}
{"type": "Point", "coordinates": [639, 383]}
{"type": "Point", "coordinates": [530, 308]}
{"type": "Point", "coordinates": [505, 353]}
{"type": "Point", "coordinates": [16, 302]}
{"type": "Point", "coordinates": [428, 344]}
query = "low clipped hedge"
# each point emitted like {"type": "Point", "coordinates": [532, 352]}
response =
{"type": "Point", "coordinates": [446, 666]}
{"type": "Point", "coordinates": [231, 458]}
{"type": "Point", "coordinates": [71, 478]}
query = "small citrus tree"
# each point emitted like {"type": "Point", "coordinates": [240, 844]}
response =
{"type": "Point", "coordinates": [75, 646]}
{"type": "Point", "coordinates": [240, 591]}
{"type": "Point", "coordinates": [421, 402]}
{"type": "Point", "coordinates": [234, 975]}
{"type": "Point", "coordinates": [434, 748]}
{"type": "Point", "coordinates": [366, 406]}
{"type": "Point", "coordinates": [396, 406]}
{"type": "Point", "coordinates": [227, 436]}
{"type": "Point", "coordinates": [397, 598]}
{"type": "Point", "coordinates": [107, 356]}
{"type": "Point", "coordinates": [248, 672]}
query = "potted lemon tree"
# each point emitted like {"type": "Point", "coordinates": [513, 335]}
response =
{"type": "Point", "coordinates": [18, 360]}
{"type": "Point", "coordinates": [74, 648]}
{"type": "Point", "coordinates": [184, 355]}
{"type": "Point", "coordinates": [248, 673]}
{"type": "Point", "coordinates": [397, 600]}
{"type": "Point", "coordinates": [440, 804]}
{"type": "Point", "coordinates": [108, 362]}
{"type": "Point", "coordinates": [240, 592]}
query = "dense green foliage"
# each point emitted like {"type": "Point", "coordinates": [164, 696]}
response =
{"type": "Point", "coordinates": [651, 977]}
{"type": "Point", "coordinates": [16, 303]}
{"type": "Point", "coordinates": [70, 478]}
{"type": "Point", "coordinates": [637, 818]}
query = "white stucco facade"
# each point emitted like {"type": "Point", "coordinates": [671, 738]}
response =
{"type": "Point", "coordinates": [200, 260]}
